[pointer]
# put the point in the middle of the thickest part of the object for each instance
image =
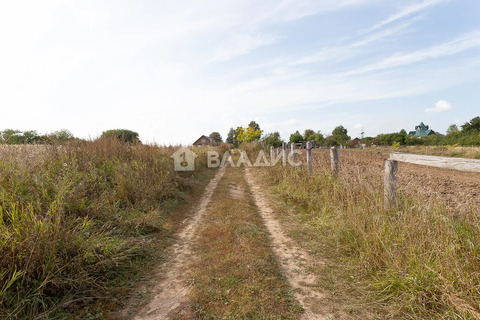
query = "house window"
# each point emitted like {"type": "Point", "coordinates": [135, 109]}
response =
{"type": "Point", "coordinates": [203, 140]}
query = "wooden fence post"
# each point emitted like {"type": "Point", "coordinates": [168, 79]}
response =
{"type": "Point", "coordinates": [284, 153]}
{"type": "Point", "coordinates": [390, 183]}
{"type": "Point", "coordinates": [272, 153]}
{"type": "Point", "coordinates": [292, 150]}
{"type": "Point", "coordinates": [334, 159]}
{"type": "Point", "coordinates": [309, 157]}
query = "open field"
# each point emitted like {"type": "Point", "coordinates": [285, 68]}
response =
{"type": "Point", "coordinates": [459, 190]}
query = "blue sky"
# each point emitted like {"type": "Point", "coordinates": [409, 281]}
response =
{"type": "Point", "coordinates": [173, 70]}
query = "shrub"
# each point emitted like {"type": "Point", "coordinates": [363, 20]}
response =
{"type": "Point", "coordinates": [122, 135]}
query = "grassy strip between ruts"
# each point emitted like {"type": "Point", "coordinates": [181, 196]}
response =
{"type": "Point", "coordinates": [236, 275]}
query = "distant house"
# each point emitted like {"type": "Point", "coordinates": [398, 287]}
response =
{"type": "Point", "coordinates": [355, 142]}
{"type": "Point", "coordinates": [422, 131]}
{"type": "Point", "coordinates": [203, 141]}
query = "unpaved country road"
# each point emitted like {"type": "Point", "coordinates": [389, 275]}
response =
{"type": "Point", "coordinates": [293, 259]}
{"type": "Point", "coordinates": [172, 290]}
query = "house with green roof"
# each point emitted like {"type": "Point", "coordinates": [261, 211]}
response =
{"type": "Point", "coordinates": [423, 131]}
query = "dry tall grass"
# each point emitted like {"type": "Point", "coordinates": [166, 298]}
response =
{"type": "Point", "coordinates": [417, 261]}
{"type": "Point", "coordinates": [75, 218]}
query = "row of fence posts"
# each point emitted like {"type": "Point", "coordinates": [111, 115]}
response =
{"type": "Point", "coordinates": [334, 155]}
{"type": "Point", "coordinates": [391, 166]}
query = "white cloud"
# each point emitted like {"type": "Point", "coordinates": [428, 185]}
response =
{"type": "Point", "coordinates": [358, 126]}
{"type": "Point", "coordinates": [465, 42]}
{"type": "Point", "coordinates": [407, 11]}
{"type": "Point", "coordinates": [440, 106]}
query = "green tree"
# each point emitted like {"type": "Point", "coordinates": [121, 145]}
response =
{"type": "Point", "coordinates": [31, 136]}
{"type": "Point", "coordinates": [11, 136]}
{"type": "Point", "coordinates": [473, 125]}
{"type": "Point", "coordinates": [452, 129]}
{"type": "Point", "coordinates": [122, 135]}
{"type": "Point", "coordinates": [61, 135]}
{"type": "Point", "coordinates": [340, 134]}
{"type": "Point", "coordinates": [330, 141]}
{"type": "Point", "coordinates": [216, 138]}
{"type": "Point", "coordinates": [389, 139]}
{"type": "Point", "coordinates": [254, 125]}
{"type": "Point", "coordinates": [272, 139]}
{"type": "Point", "coordinates": [231, 136]}
{"type": "Point", "coordinates": [317, 137]}
{"type": "Point", "coordinates": [296, 137]}
{"type": "Point", "coordinates": [307, 133]}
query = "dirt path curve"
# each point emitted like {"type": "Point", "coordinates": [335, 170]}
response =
{"type": "Point", "coordinates": [172, 290]}
{"type": "Point", "coordinates": [293, 259]}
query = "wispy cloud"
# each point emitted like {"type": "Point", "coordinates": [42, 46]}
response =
{"type": "Point", "coordinates": [458, 45]}
{"type": "Point", "coordinates": [245, 34]}
{"type": "Point", "coordinates": [440, 106]}
{"type": "Point", "coordinates": [339, 53]}
{"type": "Point", "coordinates": [406, 11]}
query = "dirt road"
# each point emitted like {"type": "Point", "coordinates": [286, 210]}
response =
{"type": "Point", "coordinates": [172, 290]}
{"type": "Point", "coordinates": [295, 262]}
{"type": "Point", "coordinates": [214, 246]}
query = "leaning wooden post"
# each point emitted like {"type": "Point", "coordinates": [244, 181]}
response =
{"type": "Point", "coordinates": [309, 157]}
{"type": "Point", "coordinates": [272, 151]}
{"type": "Point", "coordinates": [292, 147]}
{"type": "Point", "coordinates": [284, 153]}
{"type": "Point", "coordinates": [390, 184]}
{"type": "Point", "coordinates": [334, 159]}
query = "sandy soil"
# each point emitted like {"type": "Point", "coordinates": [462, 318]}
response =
{"type": "Point", "coordinates": [295, 262]}
{"type": "Point", "coordinates": [171, 290]}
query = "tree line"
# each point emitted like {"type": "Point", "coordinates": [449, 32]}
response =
{"type": "Point", "coordinates": [11, 136]}
{"type": "Point", "coordinates": [467, 134]}
{"type": "Point", "coordinates": [252, 132]}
